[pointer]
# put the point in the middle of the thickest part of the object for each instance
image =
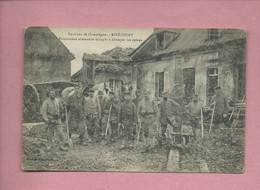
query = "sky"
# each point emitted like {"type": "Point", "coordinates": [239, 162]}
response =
{"type": "Point", "coordinates": [98, 40]}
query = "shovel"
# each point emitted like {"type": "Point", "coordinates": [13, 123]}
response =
{"type": "Point", "coordinates": [67, 126]}
{"type": "Point", "coordinates": [201, 122]}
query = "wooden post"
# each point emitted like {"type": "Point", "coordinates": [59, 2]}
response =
{"type": "Point", "coordinates": [173, 164]}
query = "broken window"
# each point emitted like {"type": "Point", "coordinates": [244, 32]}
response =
{"type": "Point", "coordinates": [159, 84]}
{"type": "Point", "coordinates": [213, 34]}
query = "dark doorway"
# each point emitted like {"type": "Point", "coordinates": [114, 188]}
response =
{"type": "Point", "coordinates": [189, 81]}
{"type": "Point", "coordinates": [212, 82]}
{"type": "Point", "coordinates": [159, 83]}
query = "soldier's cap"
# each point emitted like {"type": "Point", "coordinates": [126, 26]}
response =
{"type": "Point", "coordinates": [100, 92]}
{"type": "Point", "coordinates": [91, 90]}
{"type": "Point", "coordinates": [217, 87]}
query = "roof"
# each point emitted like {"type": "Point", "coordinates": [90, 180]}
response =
{"type": "Point", "coordinates": [41, 41]}
{"type": "Point", "coordinates": [188, 39]}
{"type": "Point", "coordinates": [116, 54]}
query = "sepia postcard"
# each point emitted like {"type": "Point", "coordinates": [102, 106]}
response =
{"type": "Point", "coordinates": [134, 100]}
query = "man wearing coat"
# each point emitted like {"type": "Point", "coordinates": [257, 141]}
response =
{"type": "Point", "coordinates": [52, 113]}
{"type": "Point", "coordinates": [76, 114]}
{"type": "Point", "coordinates": [220, 106]}
{"type": "Point", "coordinates": [127, 120]}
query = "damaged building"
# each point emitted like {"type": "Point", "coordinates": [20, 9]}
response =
{"type": "Point", "coordinates": [197, 59]}
{"type": "Point", "coordinates": [112, 68]}
{"type": "Point", "coordinates": [47, 65]}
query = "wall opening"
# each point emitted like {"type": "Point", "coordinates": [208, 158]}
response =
{"type": "Point", "coordinates": [189, 81]}
{"type": "Point", "coordinates": [212, 82]}
{"type": "Point", "coordinates": [159, 84]}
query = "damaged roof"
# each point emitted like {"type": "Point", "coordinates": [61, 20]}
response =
{"type": "Point", "coordinates": [187, 39]}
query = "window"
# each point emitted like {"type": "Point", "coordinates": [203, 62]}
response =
{"type": "Point", "coordinates": [114, 84]}
{"type": "Point", "coordinates": [160, 41]}
{"type": "Point", "coordinates": [213, 34]}
{"type": "Point", "coordinates": [178, 71]}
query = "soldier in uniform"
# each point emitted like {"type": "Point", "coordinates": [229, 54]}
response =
{"type": "Point", "coordinates": [101, 101]}
{"type": "Point", "coordinates": [136, 101]}
{"type": "Point", "coordinates": [147, 112]}
{"type": "Point", "coordinates": [178, 94]}
{"type": "Point", "coordinates": [76, 114]}
{"type": "Point", "coordinates": [127, 120]}
{"type": "Point", "coordinates": [93, 115]}
{"type": "Point", "coordinates": [168, 110]}
{"type": "Point", "coordinates": [221, 108]}
{"type": "Point", "coordinates": [111, 107]}
{"type": "Point", "coordinates": [194, 109]}
{"type": "Point", "coordinates": [52, 112]}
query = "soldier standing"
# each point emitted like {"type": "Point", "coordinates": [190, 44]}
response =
{"type": "Point", "coordinates": [76, 114]}
{"type": "Point", "coordinates": [168, 111]}
{"type": "Point", "coordinates": [127, 120]}
{"type": "Point", "coordinates": [111, 107]}
{"type": "Point", "coordinates": [147, 111]}
{"type": "Point", "coordinates": [101, 101]}
{"type": "Point", "coordinates": [52, 112]}
{"type": "Point", "coordinates": [178, 94]}
{"type": "Point", "coordinates": [194, 108]}
{"type": "Point", "coordinates": [93, 115]}
{"type": "Point", "coordinates": [220, 103]}
{"type": "Point", "coordinates": [136, 101]}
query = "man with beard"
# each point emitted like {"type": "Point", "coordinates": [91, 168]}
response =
{"type": "Point", "coordinates": [76, 114]}
{"type": "Point", "coordinates": [168, 111]}
{"type": "Point", "coordinates": [52, 112]}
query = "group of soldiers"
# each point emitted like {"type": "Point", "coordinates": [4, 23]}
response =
{"type": "Point", "coordinates": [106, 117]}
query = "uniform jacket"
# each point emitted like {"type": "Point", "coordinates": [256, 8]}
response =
{"type": "Point", "coordinates": [92, 106]}
{"type": "Point", "coordinates": [76, 106]}
{"type": "Point", "coordinates": [127, 112]}
{"type": "Point", "coordinates": [167, 109]}
{"type": "Point", "coordinates": [147, 110]}
{"type": "Point", "coordinates": [52, 110]}
{"type": "Point", "coordinates": [115, 107]}
{"type": "Point", "coordinates": [221, 106]}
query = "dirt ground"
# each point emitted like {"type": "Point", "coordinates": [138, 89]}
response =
{"type": "Point", "coordinates": [221, 152]}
